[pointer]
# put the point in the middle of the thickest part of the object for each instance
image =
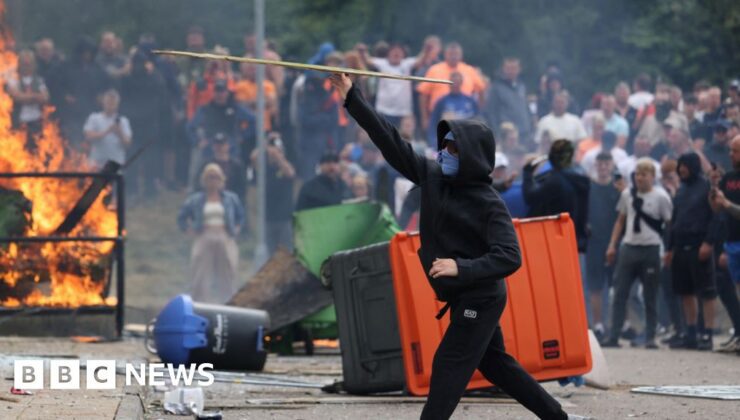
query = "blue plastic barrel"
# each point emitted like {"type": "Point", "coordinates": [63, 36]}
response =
{"type": "Point", "coordinates": [228, 337]}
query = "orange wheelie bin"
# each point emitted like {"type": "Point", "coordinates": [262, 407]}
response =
{"type": "Point", "coordinates": [544, 323]}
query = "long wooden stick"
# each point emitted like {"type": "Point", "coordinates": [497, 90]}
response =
{"type": "Point", "coordinates": [290, 64]}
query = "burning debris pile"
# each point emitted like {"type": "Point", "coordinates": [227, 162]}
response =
{"type": "Point", "coordinates": [59, 274]}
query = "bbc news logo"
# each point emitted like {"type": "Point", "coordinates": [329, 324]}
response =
{"type": "Point", "coordinates": [102, 374]}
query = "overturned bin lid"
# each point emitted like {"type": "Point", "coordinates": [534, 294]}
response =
{"type": "Point", "coordinates": [178, 330]}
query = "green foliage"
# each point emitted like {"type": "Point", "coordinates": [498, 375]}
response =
{"type": "Point", "coordinates": [597, 42]}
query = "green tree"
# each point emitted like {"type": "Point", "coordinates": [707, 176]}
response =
{"type": "Point", "coordinates": [596, 42]}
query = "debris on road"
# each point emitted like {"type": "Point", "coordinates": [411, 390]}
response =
{"type": "Point", "coordinates": [16, 391]}
{"type": "Point", "coordinates": [715, 392]}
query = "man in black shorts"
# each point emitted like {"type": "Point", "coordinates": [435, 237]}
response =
{"type": "Point", "coordinates": [690, 250]}
{"type": "Point", "coordinates": [603, 197]}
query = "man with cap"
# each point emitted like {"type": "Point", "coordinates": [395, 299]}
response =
{"type": "Point", "coordinates": [222, 115]}
{"type": "Point", "coordinates": [503, 178]}
{"type": "Point", "coordinates": [326, 188]}
{"type": "Point", "coordinates": [233, 167]}
{"type": "Point", "coordinates": [500, 172]}
{"type": "Point", "coordinates": [468, 247]}
{"type": "Point", "coordinates": [718, 151]}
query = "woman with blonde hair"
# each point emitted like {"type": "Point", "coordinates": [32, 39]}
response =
{"type": "Point", "coordinates": [214, 216]}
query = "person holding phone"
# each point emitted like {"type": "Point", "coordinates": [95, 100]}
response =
{"type": "Point", "coordinates": [108, 133]}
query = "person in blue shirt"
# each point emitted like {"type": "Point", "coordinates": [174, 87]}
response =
{"type": "Point", "coordinates": [453, 106]}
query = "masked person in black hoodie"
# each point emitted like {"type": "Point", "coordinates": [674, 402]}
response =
{"type": "Point", "coordinates": [468, 246]}
{"type": "Point", "coordinates": [693, 231]}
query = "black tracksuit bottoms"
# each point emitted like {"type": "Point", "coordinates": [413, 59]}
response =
{"type": "Point", "coordinates": [474, 340]}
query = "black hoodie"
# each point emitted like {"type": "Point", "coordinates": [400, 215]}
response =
{"type": "Point", "coordinates": [693, 221]}
{"type": "Point", "coordinates": [559, 191]}
{"type": "Point", "coordinates": [461, 217]}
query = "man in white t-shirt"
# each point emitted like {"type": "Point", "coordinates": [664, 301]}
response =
{"type": "Point", "coordinates": [30, 95]}
{"type": "Point", "coordinates": [394, 98]}
{"type": "Point", "coordinates": [643, 213]}
{"type": "Point", "coordinates": [560, 124]}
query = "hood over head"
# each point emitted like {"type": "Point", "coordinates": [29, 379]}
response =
{"type": "Point", "coordinates": [693, 164]}
{"type": "Point", "coordinates": [476, 148]}
{"type": "Point", "coordinates": [324, 50]}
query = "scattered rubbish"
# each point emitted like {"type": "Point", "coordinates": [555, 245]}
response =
{"type": "Point", "coordinates": [135, 330]}
{"type": "Point", "coordinates": [181, 401]}
{"type": "Point", "coordinates": [235, 378]}
{"type": "Point", "coordinates": [715, 392]}
{"type": "Point", "coordinates": [228, 337]}
{"type": "Point", "coordinates": [16, 391]}
{"type": "Point", "coordinates": [9, 399]}
{"type": "Point", "coordinates": [247, 379]}
{"type": "Point", "coordinates": [186, 402]}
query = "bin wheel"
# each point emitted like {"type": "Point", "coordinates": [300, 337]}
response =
{"type": "Point", "coordinates": [325, 274]}
{"type": "Point", "coordinates": [308, 341]}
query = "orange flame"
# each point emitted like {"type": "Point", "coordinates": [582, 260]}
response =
{"type": "Point", "coordinates": [326, 343]}
{"type": "Point", "coordinates": [66, 274]}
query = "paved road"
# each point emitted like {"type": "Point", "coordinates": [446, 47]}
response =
{"type": "Point", "coordinates": [629, 367]}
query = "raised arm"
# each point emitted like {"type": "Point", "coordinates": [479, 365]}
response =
{"type": "Point", "coordinates": [395, 150]}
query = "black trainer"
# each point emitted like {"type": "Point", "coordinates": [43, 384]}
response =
{"type": "Point", "coordinates": [650, 344]}
{"type": "Point", "coordinates": [674, 338]}
{"type": "Point", "coordinates": [600, 334]}
{"type": "Point", "coordinates": [629, 333]}
{"type": "Point", "coordinates": [611, 343]}
{"type": "Point", "coordinates": [705, 343]}
{"type": "Point", "coordinates": [687, 342]}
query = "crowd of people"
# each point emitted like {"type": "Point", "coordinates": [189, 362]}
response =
{"type": "Point", "coordinates": [649, 173]}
